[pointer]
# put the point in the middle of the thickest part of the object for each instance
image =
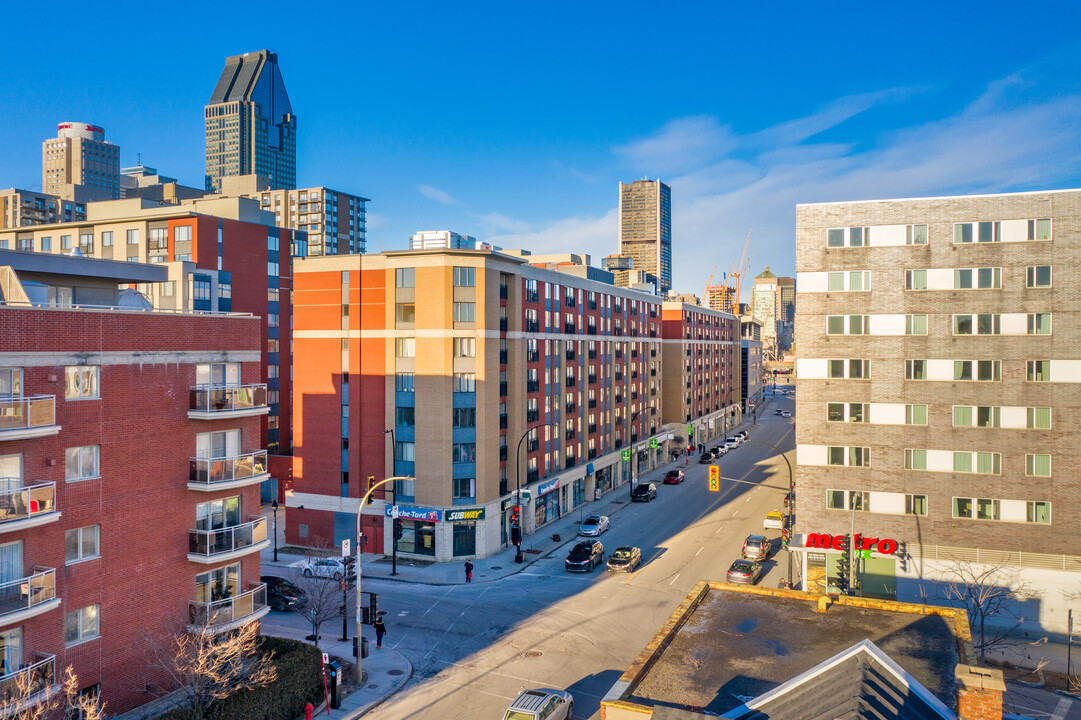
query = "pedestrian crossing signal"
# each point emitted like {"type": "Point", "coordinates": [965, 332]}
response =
{"type": "Point", "coordinates": [714, 478]}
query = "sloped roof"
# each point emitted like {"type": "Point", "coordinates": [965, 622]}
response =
{"type": "Point", "coordinates": [765, 274]}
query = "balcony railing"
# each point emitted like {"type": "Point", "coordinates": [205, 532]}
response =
{"type": "Point", "coordinates": [502, 357]}
{"type": "Point", "coordinates": [29, 416]}
{"type": "Point", "coordinates": [503, 421]}
{"type": "Point", "coordinates": [503, 389]}
{"type": "Point", "coordinates": [502, 292]}
{"type": "Point", "coordinates": [228, 400]}
{"type": "Point", "coordinates": [531, 326]}
{"type": "Point", "coordinates": [212, 473]}
{"type": "Point", "coordinates": [24, 685]}
{"type": "Point", "coordinates": [503, 324]}
{"type": "Point", "coordinates": [28, 592]}
{"type": "Point", "coordinates": [222, 541]}
{"type": "Point", "coordinates": [227, 613]}
{"type": "Point", "coordinates": [530, 386]}
{"type": "Point", "coordinates": [23, 503]}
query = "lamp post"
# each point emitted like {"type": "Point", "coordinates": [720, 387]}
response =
{"type": "Point", "coordinates": [791, 489]}
{"type": "Point", "coordinates": [275, 506]}
{"type": "Point", "coordinates": [633, 460]}
{"type": "Point", "coordinates": [518, 557]}
{"type": "Point", "coordinates": [393, 501]}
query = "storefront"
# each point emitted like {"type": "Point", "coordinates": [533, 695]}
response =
{"type": "Point", "coordinates": [418, 528]}
{"type": "Point", "coordinates": [603, 479]}
{"type": "Point", "coordinates": [464, 530]}
{"type": "Point", "coordinates": [546, 507]}
{"type": "Point", "coordinates": [873, 565]}
{"type": "Point", "coordinates": [579, 495]}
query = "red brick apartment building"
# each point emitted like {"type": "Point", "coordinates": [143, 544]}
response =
{"type": "Point", "coordinates": [130, 463]}
{"type": "Point", "coordinates": [470, 373]}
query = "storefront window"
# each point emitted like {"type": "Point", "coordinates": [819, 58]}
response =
{"type": "Point", "coordinates": [418, 537]}
{"type": "Point", "coordinates": [465, 538]}
{"type": "Point", "coordinates": [604, 479]}
{"type": "Point", "coordinates": [547, 508]}
{"type": "Point", "coordinates": [579, 494]}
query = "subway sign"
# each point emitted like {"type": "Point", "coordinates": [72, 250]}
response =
{"type": "Point", "coordinates": [471, 514]}
{"type": "Point", "coordinates": [824, 541]}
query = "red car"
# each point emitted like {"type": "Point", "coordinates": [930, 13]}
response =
{"type": "Point", "coordinates": [674, 477]}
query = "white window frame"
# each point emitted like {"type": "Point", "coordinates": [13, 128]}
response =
{"type": "Point", "coordinates": [87, 624]}
{"type": "Point", "coordinates": [80, 534]}
{"type": "Point", "coordinates": [1030, 465]}
{"type": "Point", "coordinates": [82, 382]}
{"type": "Point", "coordinates": [86, 460]}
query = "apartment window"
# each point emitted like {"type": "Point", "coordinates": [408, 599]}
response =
{"type": "Point", "coordinates": [915, 279]}
{"type": "Point", "coordinates": [1038, 512]}
{"type": "Point", "coordinates": [46, 244]}
{"type": "Point", "coordinates": [404, 277]}
{"type": "Point", "coordinates": [133, 237]}
{"type": "Point", "coordinates": [464, 488]}
{"type": "Point", "coordinates": [835, 499]}
{"type": "Point", "coordinates": [465, 382]}
{"type": "Point", "coordinates": [985, 462]}
{"type": "Point", "coordinates": [404, 416]}
{"type": "Point", "coordinates": [404, 451]}
{"type": "Point", "coordinates": [465, 277]}
{"type": "Point", "coordinates": [915, 369]}
{"type": "Point", "coordinates": [81, 625]}
{"type": "Point", "coordinates": [464, 453]}
{"type": "Point", "coordinates": [403, 382]}
{"type": "Point", "coordinates": [977, 508]}
{"type": "Point", "coordinates": [854, 324]}
{"type": "Point", "coordinates": [978, 278]}
{"type": "Point", "coordinates": [65, 242]}
{"type": "Point", "coordinates": [405, 347]}
{"type": "Point", "coordinates": [915, 459]}
{"type": "Point", "coordinates": [1039, 229]}
{"type": "Point", "coordinates": [850, 237]}
{"type": "Point", "coordinates": [81, 382]}
{"type": "Point", "coordinates": [916, 235]}
{"type": "Point", "coordinates": [915, 324]}
{"type": "Point", "coordinates": [1039, 418]}
{"type": "Point", "coordinates": [855, 281]}
{"type": "Point", "coordinates": [405, 313]}
{"type": "Point", "coordinates": [1038, 465]}
{"type": "Point", "coordinates": [465, 347]}
{"type": "Point", "coordinates": [976, 416]}
{"type": "Point", "coordinates": [464, 417]}
{"type": "Point", "coordinates": [1039, 371]}
{"type": "Point", "coordinates": [107, 238]}
{"type": "Point", "coordinates": [915, 414]}
{"type": "Point", "coordinates": [465, 312]}
{"type": "Point", "coordinates": [846, 412]}
{"type": "Point", "coordinates": [915, 504]}
{"type": "Point", "coordinates": [1038, 276]}
{"type": "Point", "coordinates": [982, 324]}
{"type": "Point", "coordinates": [979, 370]}
{"type": "Point", "coordinates": [1039, 324]}
{"type": "Point", "coordinates": [850, 456]}
{"type": "Point", "coordinates": [182, 233]}
{"type": "Point", "coordinates": [81, 544]}
{"type": "Point", "coordinates": [860, 501]}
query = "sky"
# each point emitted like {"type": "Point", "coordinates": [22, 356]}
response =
{"type": "Point", "coordinates": [515, 122]}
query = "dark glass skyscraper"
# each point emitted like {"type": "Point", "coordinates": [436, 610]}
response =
{"type": "Point", "coordinates": [645, 228]}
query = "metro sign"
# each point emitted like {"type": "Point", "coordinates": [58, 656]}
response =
{"type": "Point", "coordinates": [824, 541]}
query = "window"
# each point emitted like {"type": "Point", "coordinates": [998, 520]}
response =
{"type": "Point", "coordinates": [464, 417]}
{"type": "Point", "coordinates": [405, 347]}
{"type": "Point", "coordinates": [1038, 276]}
{"type": "Point", "coordinates": [1039, 324]}
{"type": "Point", "coordinates": [915, 414]}
{"type": "Point", "coordinates": [182, 233]}
{"type": "Point", "coordinates": [859, 501]}
{"type": "Point", "coordinates": [1039, 418]}
{"type": "Point", "coordinates": [979, 370]}
{"type": "Point", "coordinates": [65, 242]}
{"type": "Point", "coordinates": [107, 238]}
{"type": "Point", "coordinates": [850, 456]}
{"type": "Point", "coordinates": [46, 244]}
{"type": "Point", "coordinates": [854, 324]}
{"type": "Point", "coordinates": [1039, 229]}
{"type": "Point", "coordinates": [133, 237]}
{"type": "Point", "coordinates": [465, 277]}
{"type": "Point", "coordinates": [81, 463]}
{"type": "Point", "coordinates": [1038, 465]}
{"type": "Point", "coordinates": [915, 279]}
{"type": "Point", "coordinates": [915, 504]}
{"type": "Point", "coordinates": [979, 508]}
{"type": "Point", "coordinates": [979, 278]}
{"type": "Point", "coordinates": [987, 509]}
{"type": "Point", "coordinates": [915, 370]}
{"type": "Point", "coordinates": [465, 312]}
{"type": "Point", "coordinates": [835, 499]}
{"type": "Point", "coordinates": [405, 313]}
{"type": "Point", "coordinates": [850, 237]}
{"type": "Point", "coordinates": [854, 281]}
{"type": "Point", "coordinates": [404, 416]}
{"type": "Point", "coordinates": [464, 453]}
{"type": "Point", "coordinates": [915, 324]}
{"type": "Point", "coordinates": [985, 462]}
{"type": "Point", "coordinates": [81, 382]}
{"type": "Point", "coordinates": [1038, 512]}
{"type": "Point", "coordinates": [916, 235]}
{"type": "Point", "coordinates": [982, 324]}
{"type": "Point", "coordinates": [915, 459]}
{"type": "Point", "coordinates": [404, 451]}
{"type": "Point", "coordinates": [403, 382]}
{"type": "Point", "coordinates": [81, 544]}
{"type": "Point", "coordinates": [466, 347]}
{"type": "Point", "coordinates": [464, 487]}
{"type": "Point", "coordinates": [846, 412]}
{"type": "Point", "coordinates": [81, 625]}
{"type": "Point", "coordinates": [404, 277]}
{"type": "Point", "coordinates": [1039, 371]}
{"type": "Point", "coordinates": [465, 382]}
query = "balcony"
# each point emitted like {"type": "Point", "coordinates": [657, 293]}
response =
{"type": "Point", "coordinates": [502, 357]}
{"type": "Point", "coordinates": [27, 507]}
{"type": "Point", "coordinates": [532, 355]}
{"type": "Point", "coordinates": [568, 328]}
{"type": "Point", "coordinates": [532, 326]}
{"type": "Point", "coordinates": [224, 544]}
{"type": "Point", "coordinates": [226, 473]}
{"type": "Point", "coordinates": [27, 417]}
{"type": "Point", "coordinates": [36, 682]}
{"type": "Point", "coordinates": [530, 386]}
{"type": "Point", "coordinates": [570, 434]}
{"type": "Point", "coordinates": [227, 614]}
{"type": "Point", "coordinates": [29, 596]}
{"type": "Point", "coordinates": [502, 453]}
{"type": "Point", "coordinates": [503, 389]}
{"type": "Point", "coordinates": [503, 292]}
{"type": "Point", "coordinates": [532, 445]}
{"type": "Point", "coordinates": [503, 421]}
{"type": "Point", "coordinates": [216, 402]}
{"type": "Point", "coordinates": [570, 382]}
{"type": "Point", "coordinates": [502, 324]}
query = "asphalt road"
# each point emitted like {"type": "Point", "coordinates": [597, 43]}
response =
{"type": "Point", "coordinates": [475, 647]}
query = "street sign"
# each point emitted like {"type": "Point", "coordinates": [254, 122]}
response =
{"type": "Point", "coordinates": [714, 478]}
{"type": "Point", "coordinates": [690, 429]}
{"type": "Point", "coordinates": [326, 658]}
{"type": "Point", "coordinates": [394, 511]}
{"type": "Point", "coordinates": [345, 547]}
{"type": "Point", "coordinates": [524, 496]}
{"type": "Point", "coordinates": [653, 442]}
{"type": "Point", "coordinates": [626, 454]}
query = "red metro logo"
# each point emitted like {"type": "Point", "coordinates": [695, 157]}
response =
{"type": "Point", "coordinates": [823, 541]}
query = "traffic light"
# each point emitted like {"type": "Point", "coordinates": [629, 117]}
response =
{"type": "Point", "coordinates": [398, 530]}
{"type": "Point", "coordinates": [844, 565]}
{"type": "Point", "coordinates": [515, 516]}
{"type": "Point", "coordinates": [371, 486]}
{"type": "Point", "coordinates": [516, 535]}
{"type": "Point", "coordinates": [714, 478]}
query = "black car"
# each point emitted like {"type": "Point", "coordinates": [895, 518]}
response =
{"type": "Point", "coordinates": [283, 595]}
{"type": "Point", "coordinates": [585, 556]}
{"type": "Point", "coordinates": [625, 559]}
{"type": "Point", "coordinates": [644, 492]}
{"type": "Point", "coordinates": [705, 458]}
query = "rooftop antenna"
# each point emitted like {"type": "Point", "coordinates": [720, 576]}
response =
{"type": "Point", "coordinates": [139, 159]}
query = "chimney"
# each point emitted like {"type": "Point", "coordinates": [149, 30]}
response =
{"type": "Point", "coordinates": [979, 693]}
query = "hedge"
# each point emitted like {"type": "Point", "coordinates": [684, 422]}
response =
{"type": "Point", "coordinates": [299, 681]}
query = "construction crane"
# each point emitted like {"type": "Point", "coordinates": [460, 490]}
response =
{"type": "Point", "coordinates": [709, 280]}
{"type": "Point", "coordinates": [737, 274]}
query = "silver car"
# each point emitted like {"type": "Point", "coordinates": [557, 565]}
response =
{"type": "Point", "coordinates": [594, 525]}
{"type": "Point", "coordinates": [542, 704]}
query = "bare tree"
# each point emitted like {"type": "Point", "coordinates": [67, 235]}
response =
{"type": "Point", "coordinates": [323, 598]}
{"type": "Point", "coordinates": [988, 591]}
{"type": "Point", "coordinates": [79, 705]}
{"type": "Point", "coordinates": [205, 667]}
{"type": "Point", "coordinates": [34, 695]}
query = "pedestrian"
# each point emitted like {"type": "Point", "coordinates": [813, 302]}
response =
{"type": "Point", "coordinates": [468, 571]}
{"type": "Point", "coordinates": [380, 631]}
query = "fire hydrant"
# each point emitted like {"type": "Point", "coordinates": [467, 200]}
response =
{"type": "Point", "coordinates": [308, 711]}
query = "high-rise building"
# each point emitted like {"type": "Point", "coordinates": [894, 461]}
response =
{"type": "Point", "coordinates": [773, 302]}
{"type": "Point", "coordinates": [250, 126]}
{"type": "Point", "coordinates": [446, 239]}
{"type": "Point", "coordinates": [751, 368]}
{"type": "Point", "coordinates": [645, 228]}
{"type": "Point", "coordinates": [21, 208]}
{"type": "Point", "coordinates": [722, 298]}
{"type": "Point", "coordinates": [937, 402]}
{"type": "Point", "coordinates": [79, 160]}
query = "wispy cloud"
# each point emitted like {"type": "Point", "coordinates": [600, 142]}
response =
{"type": "Point", "coordinates": [679, 146]}
{"type": "Point", "coordinates": [440, 196]}
{"type": "Point", "coordinates": [494, 223]}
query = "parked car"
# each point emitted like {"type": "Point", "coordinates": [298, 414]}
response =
{"type": "Point", "coordinates": [541, 704]}
{"type": "Point", "coordinates": [774, 521]}
{"type": "Point", "coordinates": [742, 435]}
{"type": "Point", "coordinates": [720, 451]}
{"type": "Point", "coordinates": [585, 556]}
{"type": "Point", "coordinates": [778, 411]}
{"type": "Point", "coordinates": [674, 477]}
{"type": "Point", "coordinates": [786, 413]}
{"type": "Point", "coordinates": [731, 443]}
{"type": "Point", "coordinates": [747, 572]}
{"type": "Point", "coordinates": [756, 547]}
{"type": "Point", "coordinates": [282, 595]}
{"type": "Point", "coordinates": [594, 525]}
{"type": "Point", "coordinates": [625, 559]}
{"type": "Point", "coordinates": [644, 492]}
{"type": "Point", "coordinates": [705, 458]}
{"type": "Point", "coordinates": [329, 567]}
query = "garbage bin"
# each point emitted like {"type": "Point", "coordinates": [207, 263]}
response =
{"type": "Point", "coordinates": [334, 676]}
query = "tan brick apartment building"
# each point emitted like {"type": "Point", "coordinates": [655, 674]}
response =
{"type": "Point", "coordinates": [938, 384]}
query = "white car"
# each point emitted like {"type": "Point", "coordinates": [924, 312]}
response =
{"type": "Point", "coordinates": [594, 525]}
{"type": "Point", "coordinates": [786, 413]}
{"type": "Point", "coordinates": [331, 567]}
{"type": "Point", "coordinates": [731, 442]}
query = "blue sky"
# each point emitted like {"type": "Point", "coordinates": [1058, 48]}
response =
{"type": "Point", "coordinates": [515, 122]}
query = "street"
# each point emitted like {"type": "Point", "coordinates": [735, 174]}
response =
{"type": "Point", "coordinates": [475, 647]}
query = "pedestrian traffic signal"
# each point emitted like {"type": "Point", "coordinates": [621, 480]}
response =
{"type": "Point", "coordinates": [399, 531]}
{"type": "Point", "coordinates": [714, 478]}
{"type": "Point", "coordinates": [516, 535]}
{"type": "Point", "coordinates": [371, 486]}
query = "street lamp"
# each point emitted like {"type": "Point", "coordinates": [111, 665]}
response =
{"type": "Point", "coordinates": [393, 501]}
{"type": "Point", "coordinates": [633, 460]}
{"type": "Point", "coordinates": [791, 489]}
{"type": "Point", "coordinates": [275, 506]}
{"type": "Point", "coordinates": [518, 556]}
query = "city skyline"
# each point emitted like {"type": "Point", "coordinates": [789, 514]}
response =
{"type": "Point", "coordinates": [466, 144]}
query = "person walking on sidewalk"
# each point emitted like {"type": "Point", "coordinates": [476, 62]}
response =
{"type": "Point", "coordinates": [380, 631]}
{"type": "Point", "coordinates": [468, 571]}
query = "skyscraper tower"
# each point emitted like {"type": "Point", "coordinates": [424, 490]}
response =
{"type": "Point", "coordinates": [645, 228]}
{"type": "Point", "coordinates": [250, 126]}
{"type": "Point", "coordinates": [80, 156]}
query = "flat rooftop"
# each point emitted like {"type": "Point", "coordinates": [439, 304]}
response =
{"type": "Point", "coordinates": [727, 644]}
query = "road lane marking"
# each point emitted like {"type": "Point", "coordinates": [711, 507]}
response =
{"type": "Point", "coordinates": [700, 550]}
{"type": "Point", "coordinates": [673, 580]}
{"type": "Point", "coordinates": [1063, 707]}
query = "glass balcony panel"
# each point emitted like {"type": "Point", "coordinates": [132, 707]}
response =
{"type": "Point", "coordinates": [39, 675]}
{"type": "Point", "coordinates": [226, 540]}
{"type": "Point", "coordinates": [221, 612]}
{"type": "Point", "coordinates": [22, 503]}
{"type": "Point", "coordinates": [25, 413]}
{"type": "Point", "coordinates": [228, 398]}
{"type": "Point", "coordinates": [209, 471]}
{"type": "Point", "coordinates": [24, 593]}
